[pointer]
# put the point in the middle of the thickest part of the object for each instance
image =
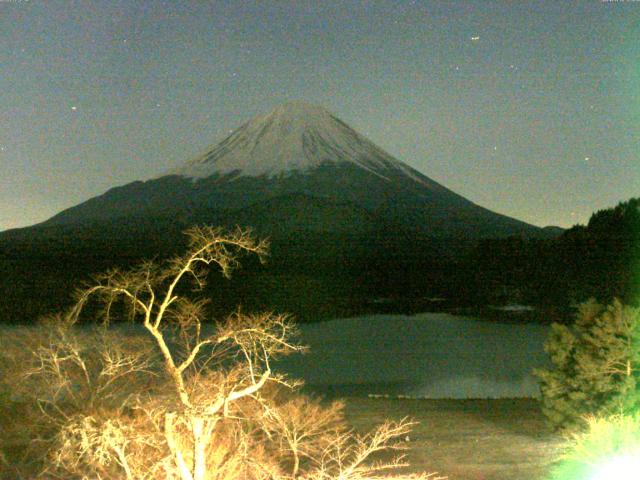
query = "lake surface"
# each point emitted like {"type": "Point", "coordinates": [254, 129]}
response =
{"type": "Point", "coordinates": [430, 355]}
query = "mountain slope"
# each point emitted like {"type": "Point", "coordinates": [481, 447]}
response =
{"type": "Point", "coordinates": [300, 149]}
{"type": "Point", "coordinates": [348, 224]}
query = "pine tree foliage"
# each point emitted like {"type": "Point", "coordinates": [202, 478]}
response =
{"type": "Point", "coordinates": [596, 365]}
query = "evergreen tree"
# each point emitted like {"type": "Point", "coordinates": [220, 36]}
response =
{"type": "Point", "coordinates": [596, 365]}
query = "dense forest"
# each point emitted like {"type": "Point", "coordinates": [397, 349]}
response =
{"type": "Point", "coordinates": [317, 275]}
{"type": "Point", "coordinates": [599, 260]}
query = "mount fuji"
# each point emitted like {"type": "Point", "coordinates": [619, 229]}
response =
{"type": "Point", "coordinates": [350, 226]}
{"type": "Point", "coordinates": [301, 165]}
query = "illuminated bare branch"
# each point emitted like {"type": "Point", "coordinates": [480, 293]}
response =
{"type": "Point", "coordinates": [197, 401]}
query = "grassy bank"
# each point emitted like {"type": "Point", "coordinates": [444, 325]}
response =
{"type": "Point", "coordinates": [468, 439]}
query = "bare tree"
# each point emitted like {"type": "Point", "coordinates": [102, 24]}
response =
{"type": "Point", "coordinates": [208, 405]}
{"type": "Point", "coordinates": [348, 455]}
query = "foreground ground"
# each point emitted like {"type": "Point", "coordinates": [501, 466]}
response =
{"type": "Point", "coordinates": [468, 439]}
{"type": "Point", "coordinates": [463, 439]}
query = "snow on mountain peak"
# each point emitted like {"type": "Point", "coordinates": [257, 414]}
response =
{"type": "Point", "coordinates": [301, 114]}
{"type": "Point", "coordinates": [295, 136]}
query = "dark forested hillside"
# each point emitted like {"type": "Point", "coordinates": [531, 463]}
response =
{"type": "Point", "coordinates": [600, 260]}
{"type": "Point", "coordinates": [317, 274]}
{"type": "Point", "coordinates": [311, 273]}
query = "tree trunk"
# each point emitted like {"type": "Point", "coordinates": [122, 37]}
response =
{"type": "Point", "coordinates": [170, 435]}
{"type": "Point", "coordinates": [200, 442]}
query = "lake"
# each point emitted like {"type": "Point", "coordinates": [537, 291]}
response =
{"type": "Point", "coordinates": [429, 355]}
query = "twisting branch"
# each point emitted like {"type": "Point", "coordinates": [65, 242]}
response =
{"type": "Point", "coordinates": [224, 411]}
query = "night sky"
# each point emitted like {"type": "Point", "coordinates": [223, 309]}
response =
{"type": "Point", "coordinates": [531, 109]}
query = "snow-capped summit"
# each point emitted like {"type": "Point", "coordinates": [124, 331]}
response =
{"type": "Point", "coordinates": [346, 220]}
{"type": "Point", "coordinates": [299, 167]}
{"type": "Point", "coordinates": [296, 136]}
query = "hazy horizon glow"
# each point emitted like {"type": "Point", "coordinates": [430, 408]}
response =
{"type": "Point", "coordinates": [530, 109]}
